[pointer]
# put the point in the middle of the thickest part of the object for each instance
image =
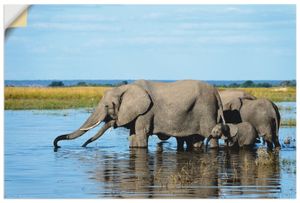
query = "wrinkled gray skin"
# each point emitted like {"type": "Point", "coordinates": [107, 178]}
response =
{"type": "Point", "coordinates": [261, 113]}
{"type": "Point", "coordinates": [228, 95]}
{"type": "Point", "coordinates": [235, 135]}
{"type": "Point", "coordinates": [179, 109]}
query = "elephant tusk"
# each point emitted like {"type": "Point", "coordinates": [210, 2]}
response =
{"type": "Point", "coordinates": [105, 127]}
{"type": "Point", "coordinates": [91, 126]}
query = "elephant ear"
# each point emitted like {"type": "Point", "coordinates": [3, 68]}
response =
{"type": "Point", "coordinates": [135, 101]}
{"type": "Point", "coordinates": [235, 104]}
{"type": "Point", "coordinates": [233, 130]}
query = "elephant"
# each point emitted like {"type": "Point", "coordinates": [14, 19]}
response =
{"type": "Point", "coordinates": [228, 95]}
{"type": "Point", "coordinates": [261, 113]}
{"type": "Point", "coordinates": [235, 135]}
{"type": "Point", "coordinates": [180, 109]}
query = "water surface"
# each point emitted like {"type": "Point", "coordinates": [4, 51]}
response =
{"type": "Point", "coordinates": [109, 169]}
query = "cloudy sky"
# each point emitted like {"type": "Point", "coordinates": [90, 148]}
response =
{"type": "Point", "coordinates": [217, 42]}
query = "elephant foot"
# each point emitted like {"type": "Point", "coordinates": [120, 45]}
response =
{"type": "Point", "coordinates": [214, 144]}
{"type": "Point", "coordinates": [138, 141]}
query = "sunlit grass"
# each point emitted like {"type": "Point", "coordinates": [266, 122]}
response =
{"type": "Point", "coordinates": [52, 98]}
{"type": "Point", "coordinates": [275, 94]}
{"type": "Point", "coordinates": [80, 97]}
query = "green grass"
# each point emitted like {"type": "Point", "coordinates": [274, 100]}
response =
{"type": "Point", "coordinates": [82, 97]}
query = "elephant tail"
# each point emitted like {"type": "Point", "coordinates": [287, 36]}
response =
{"type": "Point", "coordinates": [275, 128]}
{"type": "Point", "coordinates": [220, 108]}
{"type": "Point", "coordinates": [277, 120]}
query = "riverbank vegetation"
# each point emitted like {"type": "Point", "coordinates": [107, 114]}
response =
{"type": "Point", "coordinates": [81, 97]}
{"type": "Point", "coordinates": [275, 94]}
{"type": "Point", "coordinates": [22, 98]}
{"type": "Point", "coordinates": [52, 98]}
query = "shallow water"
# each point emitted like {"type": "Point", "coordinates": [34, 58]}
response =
{"type": "Point", "coordinates": [109, 169]}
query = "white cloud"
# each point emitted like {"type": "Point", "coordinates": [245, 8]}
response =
{"type": "Point", "coordinates": [238, 10]}
{"type": "Point", "coordinates": [76, 26]}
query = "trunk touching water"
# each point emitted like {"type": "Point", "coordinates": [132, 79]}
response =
{"type": "Point", "coordinates": [100, 133]}
{"type": "Point", "coordinates": [95, 119]}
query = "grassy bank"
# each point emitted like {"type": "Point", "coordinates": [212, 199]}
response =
{"type": "Point", "coordinates": [80, 97]}
{"type": "Point", "coordinates": [52, 98]}
{"type": "Point", "coordinates": [275, 94]}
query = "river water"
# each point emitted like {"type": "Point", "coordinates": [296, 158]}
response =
{"type": "Point", "coordinates": [107, 168]}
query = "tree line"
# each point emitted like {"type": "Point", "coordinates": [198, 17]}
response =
{"type": "Point", "coordinates": [84, 84]}
{"type": "Point", "coordinates": [248, 83]}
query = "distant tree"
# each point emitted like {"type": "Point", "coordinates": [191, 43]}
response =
{"type": "Point", "coordinates": [81, 84]}
{"type": "Point", "coordinates": [233, 85]}
{"type": "Point", "coordinates": [288, 83]}
{"type": "Point", "coordinates": [248, 83]}
{"type": "Point", "coordinates": [56, 84]}
{"type": "Point", "coordinates": [264, 84]}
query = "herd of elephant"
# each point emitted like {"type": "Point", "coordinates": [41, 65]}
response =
{"type": "Point", "coordinates": [189, 110]}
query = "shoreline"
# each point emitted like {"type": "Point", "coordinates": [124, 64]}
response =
{"type": "Point", "coordinates": [47, 98]}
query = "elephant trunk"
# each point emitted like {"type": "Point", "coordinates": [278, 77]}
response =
{"type": "Point", "coordinates": [95, 119]}
{"type": "Point", "coordinates": [104, 128]}
{"type": "Point", "coordinates": [70, 136]}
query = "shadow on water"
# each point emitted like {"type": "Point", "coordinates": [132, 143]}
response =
{"type": "Point", "coordinates": [159, 174]}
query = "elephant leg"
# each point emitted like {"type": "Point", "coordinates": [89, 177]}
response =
{"type": "Point", "coordinates": [180, 143]}
{"type": "Point", "coordinates": [189, 143]}
{"type": "Point", "coordinates": [139, 136]}
{"type": "Point", "coordinates": [270, 145]}
{"type": "Point", "coordinates": [138, 141]}
{"type": "Point", "coordinates": [269, 140]}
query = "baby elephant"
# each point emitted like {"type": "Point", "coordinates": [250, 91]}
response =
{"type": "Point", "coordinates": [241, 134]}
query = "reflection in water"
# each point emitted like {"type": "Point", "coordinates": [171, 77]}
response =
{"type": "Point", "coordinates": [108, 168]}
{"type": "Point", "coordinates": [198, 174]}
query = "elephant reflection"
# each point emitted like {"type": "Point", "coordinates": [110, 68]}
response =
{"type": "Point", "coordinates": [126, 177]}
{"type": "Point", "coordinates": [159, 174]}
{"type": "Point", "coordinates": [165, 174]}
{"type": "Point", "coordinates": [187, 174]}
{"type": "Point", "coordinates": [241, 168]}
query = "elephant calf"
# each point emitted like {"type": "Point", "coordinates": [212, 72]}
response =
{"type": "Point", "coordinates": [241, 134]}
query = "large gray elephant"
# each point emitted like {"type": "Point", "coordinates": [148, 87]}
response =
{"type": "Point", "coordinates": [179, 109]}
{"type": "Point", "coordinates": [261, 113]}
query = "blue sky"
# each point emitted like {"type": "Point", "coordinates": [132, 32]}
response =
{"type": "Point", "coordinates": [204, 42]}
